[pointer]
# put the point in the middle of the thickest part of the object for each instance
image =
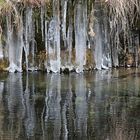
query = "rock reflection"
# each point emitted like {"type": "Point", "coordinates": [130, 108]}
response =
{"type": "Point", "coordinates": [97, 106]}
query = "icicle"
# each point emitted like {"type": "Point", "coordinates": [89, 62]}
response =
{"type": "Point", "coordinates": [29, 34]}
{"type": "Point", "coordinates": [98, 37]}
{"type": "Point", "coordinates": [69, 43]}
{"type": "Point", "coordinates": [54, 40]}
{"type": "Point", "coordinates": [20, 45]}
{"type": "Point", "coordinates": [63, 30]}
{"type": "Point", "coordinates": [98, 47]}
{"type": "Point", "coordinates": [46, 42]}
{"type": "Point", "coordinates": [106, 62]}
{"type": "Point", "coordinates": [9, 44]}
{"type": "Point", "coordinates": [42, 21]}
{"type": "Point", "coordinates": [136, 49]}
{"type": "Point", "coordinates": [57, 33]}
{"type": "Point", "coordinates": [102, 47]}
{"type": "Point", "coordinates": [64, 14]}
{"type": "Point", "coordinates": [80, 35]}
{"type": "Point", "coordinates": [26, 47]}
{"type": "Point", "coordinates": [15, 46]}
{"type": "Point", "coordinates": [32, 61]}
{"type": "Point", "coordinates": [1, 49]}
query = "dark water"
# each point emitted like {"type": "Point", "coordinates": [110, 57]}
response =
{"type": "Point", "coordinates": [102, 105]}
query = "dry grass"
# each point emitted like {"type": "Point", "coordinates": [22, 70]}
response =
{"type": "Point", "coordinates": [123, 16]}
{"type": "Point", "coordinates": [124, 12]}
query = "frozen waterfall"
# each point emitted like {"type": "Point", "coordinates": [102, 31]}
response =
{"type": "Point", "coordinates": [53, 50]}
{"type": "Point", "coordinates": [80, 35]}
{"type": "Point", "coordinates": [102, 51]}
{"type": "Point", "coordinates": [15, 46]}
{"type": "Point", "coordinates": [66, 35]}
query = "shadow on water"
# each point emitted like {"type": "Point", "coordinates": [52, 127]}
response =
{"type": "Point", "coordinates": [102, 105]}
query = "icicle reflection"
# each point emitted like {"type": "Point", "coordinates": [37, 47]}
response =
{"type": "Point", "coordinates": [90, 106]}
{"type": "Point", "coordinates": [69, 35]}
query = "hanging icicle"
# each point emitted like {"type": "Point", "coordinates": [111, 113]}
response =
{"type": "Point", "coordinates": [58, 30]}
{"type": "Point", "coordinates": [20, 46]}
{"type": "Point", "coordinates": [64, 15]}
{"type": "Point", "coordinates": [1, 47]}
{"type": "Point", "coordinates": [29, 34]}
{"type": "Point", "coordinates": [102, 49]}
{"type": "Point", "coordinates": [54, 61]}
{"type": "Point", "coordinates": [80, 34]}
{"type": "Point", "coordinates": [15, 45]}
{"type": "Point", "coordinates": [42, 16]}
{"type": "Point", "coordinates": [69, 43]}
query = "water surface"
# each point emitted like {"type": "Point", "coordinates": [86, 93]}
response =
{"type": "Point", "coordinates": [101, 105]}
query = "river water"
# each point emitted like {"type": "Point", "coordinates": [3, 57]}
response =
{"type": "Point", "coordinates": [99, 105]}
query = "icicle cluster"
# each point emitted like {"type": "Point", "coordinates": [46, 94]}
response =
{"type": "Point", "coordinates": [1, 47]}
{"type": "Point", "coordinates": [68, 30]}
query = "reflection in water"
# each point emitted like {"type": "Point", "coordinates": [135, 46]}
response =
{"type": "Point", "coordinates": [103, 105]}
{"type": "Point", "coordinates": [52, 116]}
{"type": "Point", "coordinates": [81, 107]}
{"type": "Point", "coordinates": [12, 107]}
{"type": "Point", "coordinates": [29, 118]}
